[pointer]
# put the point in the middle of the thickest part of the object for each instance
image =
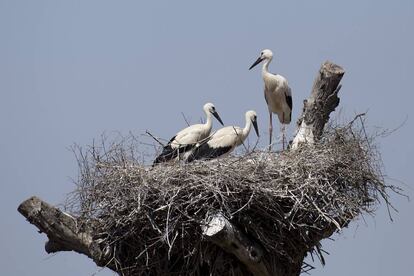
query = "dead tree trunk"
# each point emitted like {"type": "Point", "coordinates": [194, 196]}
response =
{"type": "Point", "coordinates": [317, 108]}
{"type": "Point", "coordinates": [67, 233]}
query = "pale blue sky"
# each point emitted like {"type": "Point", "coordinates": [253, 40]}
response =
{"type": "Point", "coordinates": [70, 70]}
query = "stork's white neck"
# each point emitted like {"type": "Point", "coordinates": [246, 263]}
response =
{"type": "Point", "coordinates": [247, 127]}
{"type": "Point", "coordinates": [265, 66]}
{"type": "Point", "coordinates": [209, 122]}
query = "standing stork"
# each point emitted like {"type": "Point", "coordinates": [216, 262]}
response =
{"type": "Point", "coordinates": [224, 140]}
{"type": "Point", "coordinates": [277, 94]}
{"type": "Point", "coordinates": [187, 138]}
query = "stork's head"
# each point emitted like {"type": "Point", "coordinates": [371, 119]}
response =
{"type": "Point", "coordinates": [252, 116]}
{"type": "Point", "coordinates": [266, 54]}
{"type": "Point", "coordinates": [210, 108]}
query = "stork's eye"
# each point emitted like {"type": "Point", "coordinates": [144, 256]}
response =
{"type": "Point", "coordinates": [261, 53]}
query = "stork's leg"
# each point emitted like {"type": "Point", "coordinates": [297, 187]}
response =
{"type": "Point", "coordinates": [270, 130]}
{"type": "Point", "coordinates": [283, 131]}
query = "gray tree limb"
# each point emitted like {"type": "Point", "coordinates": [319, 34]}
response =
{"type": "Point", "coordinates": [63, 230]}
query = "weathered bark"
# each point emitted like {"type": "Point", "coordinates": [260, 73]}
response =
{"type": "Point", "coordinates": [317, 108]}
{"type": "Point", "coordinates": [63, 230]}
{"type": "Point", "coordinates": [221, 232]}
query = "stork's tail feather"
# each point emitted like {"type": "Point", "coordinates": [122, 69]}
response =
{"type": "Point", "coordinates": [190, 158]}
{"type": "Point", "coordinates": [285, 117]}
{"type": "Point", "coordinates": [288, 118]}
{"type": "Point", "coordinates": [197, 153]}
{"type": "Point", "coordinates": [166, 155]}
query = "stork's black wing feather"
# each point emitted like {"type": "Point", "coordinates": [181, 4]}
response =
{"type": "Point", "coordinates": [289, 101]}
{"type": "Point", "coordinates": [204, 151]}
{"type": "Point", "coordinates": [172, 139]}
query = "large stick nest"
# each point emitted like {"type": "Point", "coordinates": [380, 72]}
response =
{"type": "Point", "coordinates": [150, 218]}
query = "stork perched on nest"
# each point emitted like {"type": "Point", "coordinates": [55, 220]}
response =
{"type": "Point", "coordinates": [186, 139]}
{"type": "Point", "coordinates": [224, 140]}
{"type": "Point", "coordinates": [277, 94]}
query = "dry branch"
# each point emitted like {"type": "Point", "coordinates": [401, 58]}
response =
{"type": "Point", "coordinates": [63, 230]}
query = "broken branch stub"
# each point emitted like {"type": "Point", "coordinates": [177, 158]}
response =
{"type": "Point", "coordinates": [317, 108]}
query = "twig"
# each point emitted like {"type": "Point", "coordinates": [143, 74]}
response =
{"type": "Point", "coordinates": [356, 117]}
{"type": "Point", "coordinates": [153, 137]}
{"type": "Point", "coordinates": [185, 119]}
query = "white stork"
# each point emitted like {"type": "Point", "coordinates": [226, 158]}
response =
{"type": "Point", "coordinates": [224, 140]}
{"type": "Point", "coordinates": [187, 138]}
{"type": "Point", "coordinates": [277, 94]}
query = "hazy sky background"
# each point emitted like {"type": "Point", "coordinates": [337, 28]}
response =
{"type": "Point", "coordinates": [71, 70]}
